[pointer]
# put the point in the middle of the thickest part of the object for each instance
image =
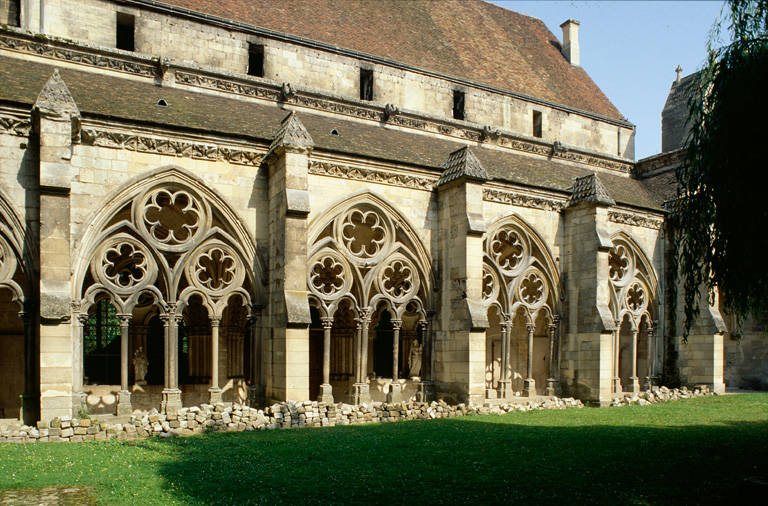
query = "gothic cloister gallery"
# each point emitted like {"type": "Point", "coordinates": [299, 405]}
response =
{"type": "Point", "coordinates": [205, 201]}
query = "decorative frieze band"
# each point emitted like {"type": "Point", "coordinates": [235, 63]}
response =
{"type": "Point", "coordinates": [212, 83]}
{"type": "Point", "coordinates": [91, 59]}
{"type": "Point", "coordinates": [170, 147]}
{"type": "Point", "coordinates": [371, 175]}
{"type": "Point", "coordinates": [369, 113]}
{"type": "Point", "coordinates": [523, 200]}
{"type": "Point", "coordinates": [15, 126]}
{"type": "Point", "coordinates": [636, 220]}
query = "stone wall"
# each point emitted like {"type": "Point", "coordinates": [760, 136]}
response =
{"type": "Point", "coordinates": [94, 21]}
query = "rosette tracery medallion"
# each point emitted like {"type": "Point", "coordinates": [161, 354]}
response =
{"type": "Point", "coordinates": [328, 276]}
{"type": "Point", "coordinates": [532, 290]}
{"type": "Point", "coordinates": [172, 219]}
{"type": "Point", "coordinates": [508, 250]}
{"type": "Point", "coordinates": [215, 269]}
{"type": "Point", "coordinates": [398, 279]}
{"type": "Point", "coordinates": [124, 265]}
{"type": "Point", "coordinates": [619, 265]}
{"type": "Point", "coordinates": [364, 234]}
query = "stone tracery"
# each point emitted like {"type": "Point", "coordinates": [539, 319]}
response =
{"type": "Point", "coordinates": [172, 245]}
{"type": "Point", "coordinates": [364, 255]}
{"type": "Point", "coordinates": [519, 285]}
{"type": "Point", "coordinates": [633, 289]}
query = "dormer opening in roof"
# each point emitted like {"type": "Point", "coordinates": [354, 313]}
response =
{"type": "Point", "coordinates": [162, 103]}
{"type": "Point", "coordinates": [10, 12]}
{"type": "Point", "coordinates": [571, 41]}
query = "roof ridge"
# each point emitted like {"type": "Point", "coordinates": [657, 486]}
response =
{"type": "Point", "coordinates": [463, 163]}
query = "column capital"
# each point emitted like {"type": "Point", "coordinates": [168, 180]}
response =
{"type": "Point", "coordinates": [327, 322]}
{"type": "Point", "coordinates": [396, 324]}
{"type": "Point", "coordinates": [125, 319]}
{"type": "Point", "coordinates": [530, 327]}
{"type": "Point", "coordinates": [215, 320]}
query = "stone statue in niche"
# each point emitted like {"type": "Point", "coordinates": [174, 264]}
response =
{"type": "Point", "coordinates": [140, 364]}
{"type": "Point", "coordinates": [414, 360]}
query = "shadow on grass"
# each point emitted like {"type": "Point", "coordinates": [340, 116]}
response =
{"type": "Point", "coordinates": [535, 458]}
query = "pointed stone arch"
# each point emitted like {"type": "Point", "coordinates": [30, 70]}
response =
{"type": "Point", "coordinates": [157, 241]}
{"type": "Point", "coordinates": [364, 250]}
{"type": "Point", "coordinates": [521, 286]}
{"type": "Point", "coordinates": [633, 303]}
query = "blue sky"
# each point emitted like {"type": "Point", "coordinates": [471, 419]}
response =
{"type": "Point", "coordinates": [631, 50]}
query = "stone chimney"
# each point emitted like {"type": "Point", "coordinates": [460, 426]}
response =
{"type": "Point", "coordinates": [571, 41]}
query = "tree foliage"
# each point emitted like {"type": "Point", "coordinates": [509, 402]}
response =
{"type": "Point", "coordinates": [719, 222]}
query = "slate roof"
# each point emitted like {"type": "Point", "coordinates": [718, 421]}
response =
{"type": "Point", "coordinates": [109, 97]}
{"type": "Point", "coordinates": [588, 189]}
{"type": "Point", "coordinates": [461, 163]}
{"type": "Point", "coordinates": [470, 39]}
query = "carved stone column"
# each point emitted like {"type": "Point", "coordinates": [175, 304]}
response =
{"type": "Point", "coordinates": [505, 389]}
{"type": "Point", "coordinates": [529, 388]}
{"type": "Point", "coordinates": [649, 378]}
{"type": "Point", "coordinates": [553, 382]}
{"type": "Point", "coordinates": [124, 407]}
{"type": "Point", "coordinates": [426, 391]}
{"type": "Point", "coordinates": [362, 388]}
{"type": "Point", "coordinates": [633, 379]}
{"type": "Point", "coordinates": [214, 392]}
{"type": "Point", "coordinates": [617, 388]}
{"type": "Point", "coordinates": [326, 392]}
{"type": "Point", "coordinates": [395, 394]}
{"type": "Point", "coordinates": [171, 394]}
{"type": "Point", "coordinates": [78, 394]}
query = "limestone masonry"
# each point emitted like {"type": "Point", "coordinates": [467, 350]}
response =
{"type": "Point", "coordinates": [313, 202]}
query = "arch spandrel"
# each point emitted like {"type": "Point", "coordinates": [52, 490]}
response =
{"type": "Point", "coordinates": [363, 248]}
{"type": "Point", "coordinates": [174, 219]}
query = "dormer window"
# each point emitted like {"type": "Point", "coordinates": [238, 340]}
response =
{"type": "Point", "coordinates": [537, 124]}
{"type": "Point", "coordinates": [10, 13]}
{"type": "Point", "coordinates": [255, 60]}
{"type": "Point", "coordinates": [458, 105]}
{"type": "Point", "coordinates": [125, 31]}
{"type": "Point", "coordinates": [366, 84]}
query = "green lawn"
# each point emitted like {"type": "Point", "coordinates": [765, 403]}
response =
{"type": "Point", "coordinates": [682, 453]}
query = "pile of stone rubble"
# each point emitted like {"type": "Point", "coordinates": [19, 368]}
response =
{"type": "Point", "coordinates": [235, 417]}
{"type": "Point", "coordinates": [661, 394]}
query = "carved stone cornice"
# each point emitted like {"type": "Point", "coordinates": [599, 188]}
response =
{"type": "Point", "coordinates": [523, 200]}
{"type": "Point", "coordinates": [166, 146]}
{"type": "Point", "coordinates": [375, 113]}
{"type": "Point", "coordinates": [226, 85]}
{"type": "Point", "coordinates": [637, 220]}
{"type": "Point", "coordinates": [372, 175]}
{"type": "Point", "coordinates": [48, 48]}
{"type": "Point", "coordinates": [15, 126]}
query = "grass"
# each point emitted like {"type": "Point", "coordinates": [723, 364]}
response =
{"type": "Point", "coordinates": [682, 453]}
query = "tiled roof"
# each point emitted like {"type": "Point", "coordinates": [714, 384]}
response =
{"type": "Point", "coordinates": [109, 97]}
{"type": "Point", "coordinates": [461, 163]}
{"type": "Point", "coordinates": [469, 39]}
{"type": "Point", "coordinates": [588, 189]}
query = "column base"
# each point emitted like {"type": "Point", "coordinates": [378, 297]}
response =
{"type": "Point", "coordinates": [362, 393]}
{"type": "Point", "coordinates": [648, 383]}
{"type": "Point", "coordinates": [171, 401]}
{"type": "Point", "coordinates": [326, 394]}
{"type": "Point", "coordinates": [79, 404]}
{"type": "Point", "coordinates": [214, 395]}
{"type": "Point", "coordinates": [257, 396]}
{"type": "Point", "coordinates": [617, 388]}
{"type": "Point", "coordinates": [504, 389]}
{"type": "Point", "coordinates": [634, 384]}
{"type": "Point", "coordinates": [30, 409]}
{"type": "Point", "coordinates": [529, 388]}
{"type": "Point", "coordinates": [395, 395]}
{"type": "Point", "coordinates": [426, 393]}
{"type": "Point", "coordinates": [124, 406]}
{"type": "Point", "coordinates": [553, 387]}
